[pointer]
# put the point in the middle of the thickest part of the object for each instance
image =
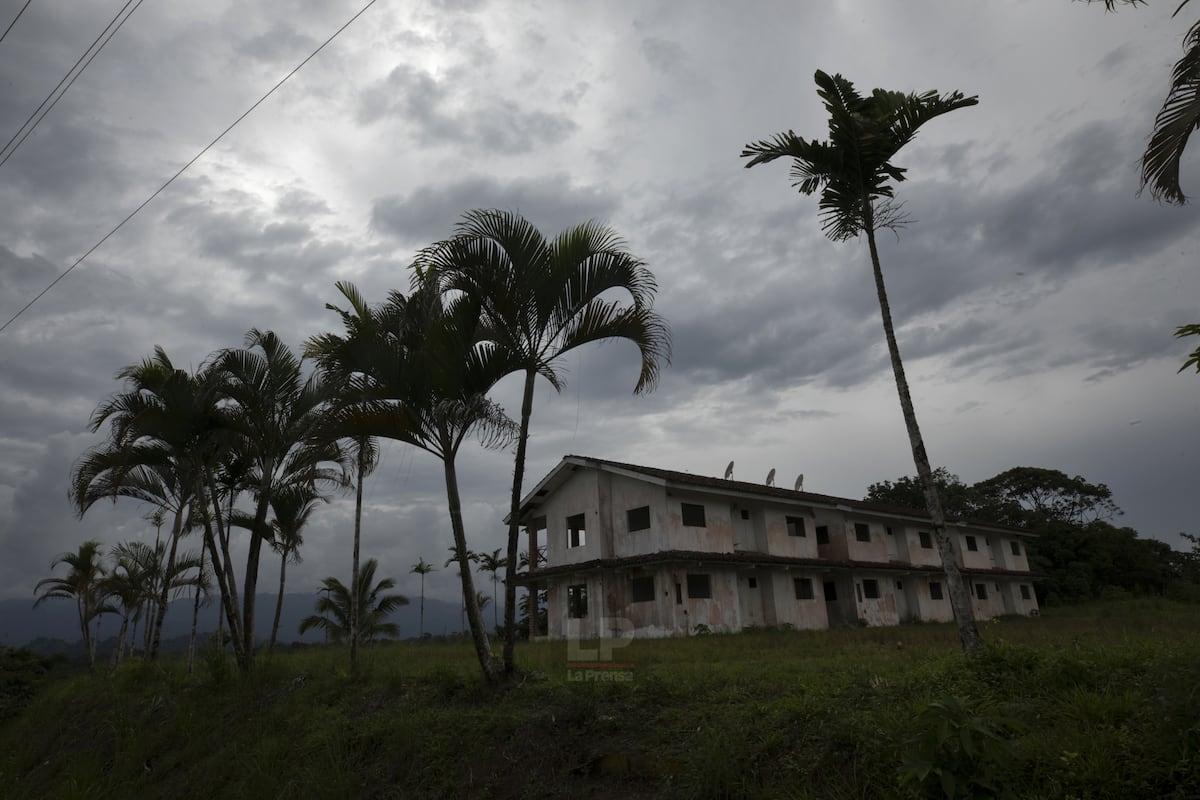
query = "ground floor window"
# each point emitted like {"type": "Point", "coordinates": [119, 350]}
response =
{"type": "Point", "coordinates": [804, 588]}
{"type": "Point", "coordinates": [699, 586]}
{"type": "Point", "coordinates": [870, 589]}
{"type": "Point", "coordinates": [642, 589]}
{"type": "Point", "coordinates": [935, 590]}
{"type": "Point", "coordinates": [981, 591]}
{"type": "Point", "coordinates": [577, 605]}
{"type": "Point", "coordinates": [1024, 592]}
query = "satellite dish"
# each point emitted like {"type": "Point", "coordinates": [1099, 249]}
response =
{"type": "Point", "coordinates": [799, 487]}
{"type": "Point", "coordinates": [771, 477]}
{"type": "Point", "coordinates": [729, 471]}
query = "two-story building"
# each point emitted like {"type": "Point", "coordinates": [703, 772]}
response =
{"type": "Point", "coordinates": [653, 552]}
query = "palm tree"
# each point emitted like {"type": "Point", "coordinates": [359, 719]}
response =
{"type": "Point", "coordinates": [540, 300]}
{"type": "Point", "coordinates": [422, 568]}
{"type": "Point", "coordinates": [493, 563]}
{"type": "Point", "coordinates": [462, 561]}
{"type": "Point", "coordinates": [1178, 117]}
{"type": "Point", "coordinates": [340, 359]}
{"type": "Point", "coordinates": [427, 387]}
{"type": "Point", "coordinates": [275, 412]}
{"type": "Point", "coordinates": [85, 584]}
{"type": "Point", "coordinates": [333, 609]}
{"type": "Point", "coordinates": [853, 172]}
{"type": "Point", "coordinates": [131, 582]}
{"type": "Point", "coordinates": [162, 429]}
{"type": "Point", "coordinates": [293, 506]}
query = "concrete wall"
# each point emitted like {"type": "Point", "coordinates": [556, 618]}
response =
{"type": "Point", "coordinates": [928, 609]}
{"type": "Point", "coordinates": [780, 543]}
{"type": "Point", "coordinates": [715, 537]}
{"type": "Point", "coordinates": [580, 494]}
{"type": "Point", "coordinates": [874, 550]}
{"type": "Point", "coordinates": [628, 494]}
{"type": "Point", "coordinates": [918, 555]}
{"type": "Point", "coordinates": [880, 610]}
{"type": "Point", "coordinates": [980, 558]}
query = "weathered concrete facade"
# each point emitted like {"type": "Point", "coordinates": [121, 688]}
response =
{"type": "Point", "coordinates": [652, 552]}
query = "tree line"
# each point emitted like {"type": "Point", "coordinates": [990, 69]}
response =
{"type": "Point", "coordinates": [257, 437]}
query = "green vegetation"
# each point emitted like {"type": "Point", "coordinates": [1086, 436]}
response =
{"type": "Point", "coordinates": [1092, 702]}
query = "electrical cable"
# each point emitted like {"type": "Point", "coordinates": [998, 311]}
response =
{"type": "Point", "coordinates": [182, 169]}
{"type": "Point", "coordinates": [54, 91]}
{"type": "Point", "coordinates": [14, 22]}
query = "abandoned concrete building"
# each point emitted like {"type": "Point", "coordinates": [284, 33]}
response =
{"type": "Point", "coordinates": [652, 552]}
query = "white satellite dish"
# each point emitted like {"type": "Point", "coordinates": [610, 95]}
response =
{"type": "Point", "coordinates": [771, 477]}
{"type": "Point", "coordinates": [799, 487]}
{"type": "Point", "coordinates": [729, 471]}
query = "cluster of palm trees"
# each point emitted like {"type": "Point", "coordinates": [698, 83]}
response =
{"type": "Point", "coordinates": [250, 442]}
{"type": "Point", "coordinates": [128, 581]}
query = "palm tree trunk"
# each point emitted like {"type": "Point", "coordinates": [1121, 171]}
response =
{"type": "Point", "coordinates": [278, 602]}
{"type": "Point", "coordinates": [223, 569]}
{"type": "Point", "coordinates": [191, 656]}
{"type": "Point", "coordinates": [250, 584]}
{"type": "Point", "coordinates": [165, 592]}
{"type": "Point", "coordinates": [479, 636]}
{"type": "Point", "coordinates": [422, 634]}
{"type": "Point", "coordinates": [960, 600]}
{"type": "Point", "coordinates": [354, 609]}
{"type": "Point", "coordinates": [514, 526]}
{"type": "Point", "coordinates": [115, 661]}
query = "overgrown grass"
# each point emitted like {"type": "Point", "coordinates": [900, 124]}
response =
{"type": "Point", "coordinates": [1089, 702]}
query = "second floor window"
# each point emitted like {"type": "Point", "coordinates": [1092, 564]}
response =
{"type": "Point", "coordinates": [972, 545]}
{"type": "Point", "coordinates": [822, 534]}
{"type": "Point", "coordinates": [795, 526]}
{"type": "Point", "coordinates": [1016, 548]}
{"type": "Point", "coordinates": [692, 515]}
{"type": "Point", "coordinates": [926, 539]}
{"type": "Point", "coordinates": [638, 519]}
{"type": "Point", "coordinates": [699, 586]}
{"type": "Point", "coordinates": [576, 531]}
{"type": "Point", "coordinates": [862, 532]}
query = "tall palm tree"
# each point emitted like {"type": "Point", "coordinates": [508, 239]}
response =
{"type": "Point", "coordinates": [427, 387]}
{"type": "Point", "coordinates": [131, 583]}
{"type": "Point", "coordinates": [85, 584]}
{"type": "Point", "coordinates": [1175, 121]}
{"type": "Point", "coordinates": [541, 299]}
{"type": "Point", "coordinates": [853, 171]}
{"type": "Point", "coordinates": [493, 563]}
{"type": "Point", "coordinates": [333, 608]}
{"type": "Point", "coordinates": [422, 568]}
{"type": "Point", "coordinates": [293, 506]}
{"type": "Point", "coordinates": [275, 411]}
{"type": "Point", "coordinates": [340, 359]}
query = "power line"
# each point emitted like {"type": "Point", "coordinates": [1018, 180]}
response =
{"type": "Point", "coordinates": [14, 22]}
{"type": "Point", "coordinates": [55, 90]}
{"type": "Point", "coordinates": [182, 169]}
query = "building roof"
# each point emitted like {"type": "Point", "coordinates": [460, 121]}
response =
{"type": "Point", "coordinates": [570, 463]}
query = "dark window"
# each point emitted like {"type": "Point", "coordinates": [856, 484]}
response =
{"type": "Point", "coordinates": [577, 601]}
{"type": "Point", "coordinates": [795, 526]}
{"type": "Point", "coordinates": [889, 531]}
{"type": "Point", "coordinates": [638, 519]}
{"type": "Point", "coordinates": [870, 589]}
{"type": "Point", "coordinates": [1016, 548]}
{"type": "Point", "coordinates": [899, 586]}
{"type": "Point", "coordinates": [972, 545]}
{"type": "Point", "coordinates": [753, 582]}
{"type": "Point", "coordinates": [935, 590]}
{"type": "Point", "coordinates": [926, 539]}
{"type": "Point", "coordinates": [830, 589]}
{"type": "Point", "coordinates": [642, 589]}
{"type": "Point", "coordinates": [693, 515]}
{"type": "Point", "coordinates": [822, 534]}
{"type": "Point", "coordinates": [745, 513]}
{"type": "Point", "coordinates": [804, 588]}
{"type": "Point", "coordinates": [678, 595]}
{"type": "Point", "coordinates": [1024, 592]}
{"type": "Point", "coordinates": [576, 531]}
{"type": "Point", "coordinates": [699, 587]}
{"type": "Point", "coordinates": [862, 532]}
{"type": "Point", "coordinates": [981, 591]}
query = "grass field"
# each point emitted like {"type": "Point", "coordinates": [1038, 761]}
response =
{"type": "Point", "coordinates": [1093, 701]}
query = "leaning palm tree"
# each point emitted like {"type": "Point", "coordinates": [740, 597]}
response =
{"type": "Point", "coordinates": [333, 608]}
{"type": "Point", "coordinates": [427, 387]}
{"type": "Point", "coordinates": [85, 584]}
{"type": "Point", "coordinates": [541, 299]}
{"type": "Point", "coordinates": [853, 171]}
{"type": "Point", "coordinates": [422, 568]}
{"type": "Point", "coordinates": [341, 358]}
{"type": "Point", "coordinates": [462, 561]}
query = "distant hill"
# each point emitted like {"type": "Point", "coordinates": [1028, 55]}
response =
{"type": "Point", "coordinates": [53, 627]}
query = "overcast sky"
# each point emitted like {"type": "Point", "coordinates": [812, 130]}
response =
{"type": "Point", "coordinates": [1035, 293]}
